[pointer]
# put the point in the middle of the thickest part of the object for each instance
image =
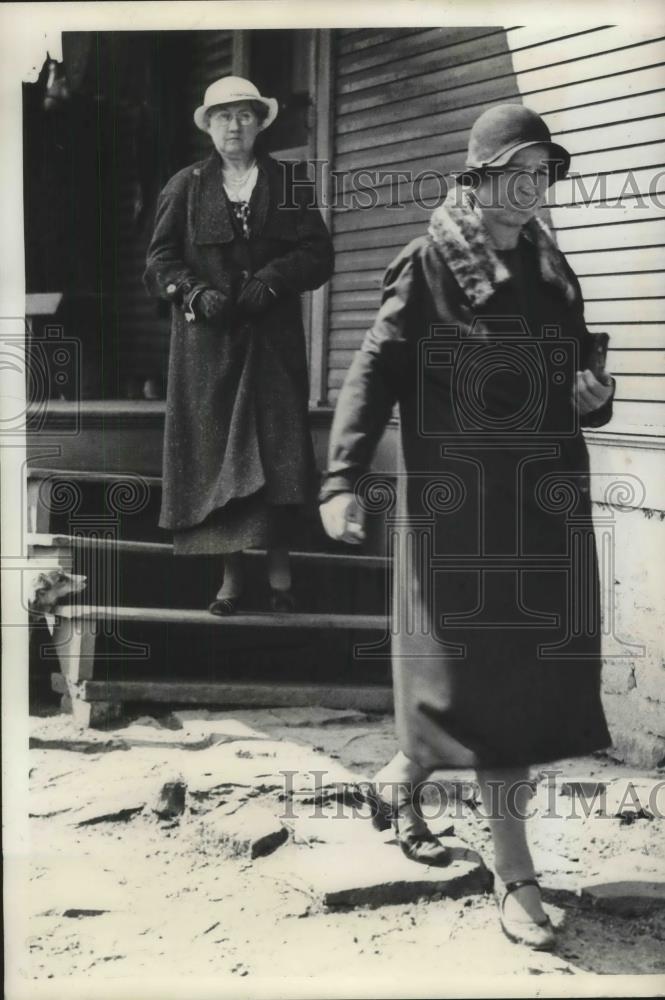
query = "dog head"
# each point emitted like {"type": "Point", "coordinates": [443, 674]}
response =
{"type": "Point", "coordinates": [48, 588]}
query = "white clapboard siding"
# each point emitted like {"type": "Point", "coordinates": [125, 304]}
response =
{"type": "Point", "coordinates": [650, 284]}
{"type": "Point", "coordinates": [649, 232]}
{"type": "Point", "coordinates": [618, 109]}
{"type": "Point", "coordinates": [615, 136]}
{"type": "Point", "coordinates": [385, 240]}
{"type": "Point", "coordinates": [385, 51]}
{"type": "Point", "coordinates": [403, 66]}
{"type": "Point", "coordinates": [348, 281]}
{"type": "Point", "coordinates": [615, 262]}
{"type": "Point", "coordinates": [631, 336]}
{"type": "Point", "coordinates": [422, 103]}
{"type": "Point", "coordinates": [574, 96]}
{"type": "Point", "coordinates": [350, 40]}
{"type": "Point", "coordinates": [645, 185]}
{"type": "Point", "coordinates": [358, 319]}
{"type": "Point", "coordinates": [621, 58]}
{"type": "Point", "coordinates": [385, 216]}
{"type": "Point", "coordinates": [403, 101]}
{"type": "Point", "coordinates": [641, 388]}
{"type": "Point", "coordinates": [355, 261]}
{"type": "Point", "coordinates": [627, 362]}
{"type": "Point", "coordinates": [641, 416]}
{"type": "Point", "coordinates": [606, 104]}
{"type": "Point", "coordinates": [442, 123]}
{"type": "Point", "coordinates": [354, 300]}
{"type": "Point", "coordinates": [605, 214]}
{"type": "Point", "coordinates": [626, 310]}
{"type": "Point", "coordinates": [623, 158]}
{"type": "Point", "coordinates": [406, 102]}
{"type": "Point", "coordinates": [346, 340]}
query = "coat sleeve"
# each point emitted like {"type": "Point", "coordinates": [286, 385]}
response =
{"type": "Point", "coordinates": [167, 274]}
{"type": "Point", "coordinates": [603, 415]}
{"type": "Point", "coordinates": [310, 263]}
{"type": "Point", "coordinates": [372, 384]}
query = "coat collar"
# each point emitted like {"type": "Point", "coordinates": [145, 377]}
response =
{"type": "Point", "coordinates": [212, 222]}
{"type": "Point", "coordinates": [456, 227]}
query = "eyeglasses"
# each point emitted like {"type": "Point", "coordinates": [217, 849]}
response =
{"type": "Point", "coordinates": [226, 117]}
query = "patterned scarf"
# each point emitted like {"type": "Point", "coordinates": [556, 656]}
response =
{"type": "Point", "coordinates": [457, 228]}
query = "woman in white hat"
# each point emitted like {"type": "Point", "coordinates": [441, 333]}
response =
{"type": "Point", "coordinates": [236, 241]}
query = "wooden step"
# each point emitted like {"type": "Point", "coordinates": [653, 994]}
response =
{"type": "Point", "coordinates": [86, 476]}
{"type": "Point", "coordinates": [366, 698]}
{"type": "Point", "coordinates": [168, 616]}
{"type": "Point", "coordinates": [42, 540]}
{"type": "Point", "coordinates": [48, 541]}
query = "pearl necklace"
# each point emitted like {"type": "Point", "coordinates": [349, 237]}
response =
{"type": "Point", "coordinates": [237, 182]}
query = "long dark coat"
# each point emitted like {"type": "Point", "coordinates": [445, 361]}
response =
{"type": "Point", "coordinates": [496, 619]}
{"type": "Point", "coordinates": [237, 396]}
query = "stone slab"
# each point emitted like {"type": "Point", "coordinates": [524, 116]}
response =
{"type": "Point", "coordinates": [627, 885]}
{"type": "Point", "coordinates": [60, 732]}
{"type": "Point", "coordinates": [375, 874]}
{"type": "Point", "coordinates": [219, 726]}
{"type": "Point", "coordinates": [252, 831]}
{"type": "Point", "coordinates": [636, 798]}
{"type": "Point", "coordinates": [332, 823]}
{"type": "Point", "coordinates": [316, 716]}
{"type": "Point", "coordinates": [629, 898]}
{"type": "Point", "coordinates": [76, 886]}
{"type": "Point", "coordinates": [583, 789]}
{"type": "Point", "coordinates": [115, 788]}
{"type": "Point", "coordinates": [113, 809]}
{"type": "Point", "coordinates": [284, 767]}
{"type": "Point", "coordinates": [169, 797]}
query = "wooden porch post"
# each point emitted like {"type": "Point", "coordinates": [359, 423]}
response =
{"type": "Point", "coordinates": [240, 58]}
{"type": "Point", "coordinates": [74, 643]}
{"type": "Point", "coordinates": [323, 148]}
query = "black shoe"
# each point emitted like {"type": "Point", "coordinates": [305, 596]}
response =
{"type": "Point", "coordinates": [223, 606]}
{"type": "Point", "coordinates": [414, 837]}
{"type": "Point", "coordinates": [282, 601]}
{"type": "Point", "coordinates": [416, 840]}
{"type": "Point", "coordinates": [381, 813]}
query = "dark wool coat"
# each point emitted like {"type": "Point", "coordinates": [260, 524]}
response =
{"type": "Point", "coordinates": [237, 396]}
{"type": "Point", "coordinates": [496, 619]}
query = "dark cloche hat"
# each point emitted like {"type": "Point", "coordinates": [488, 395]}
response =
{"type": "Point", "coordinates": [502, 131]}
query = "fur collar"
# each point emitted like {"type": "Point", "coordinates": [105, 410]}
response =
{"type": "Point", "coordinates": [457, 228]}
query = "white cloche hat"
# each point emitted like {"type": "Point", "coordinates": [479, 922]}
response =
{"type": "Point", "coordinates": [227, 90]}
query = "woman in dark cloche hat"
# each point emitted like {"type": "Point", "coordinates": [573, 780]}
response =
{"type": "Point", "coordinates": [237, 240]}
{"type": "Point", "coordinates": [481, 340]}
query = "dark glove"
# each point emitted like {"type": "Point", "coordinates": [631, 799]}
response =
{"type": "Point", "coordinates": [255, 297]}
{"type": "Point", "coordinates": [208, 304]}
